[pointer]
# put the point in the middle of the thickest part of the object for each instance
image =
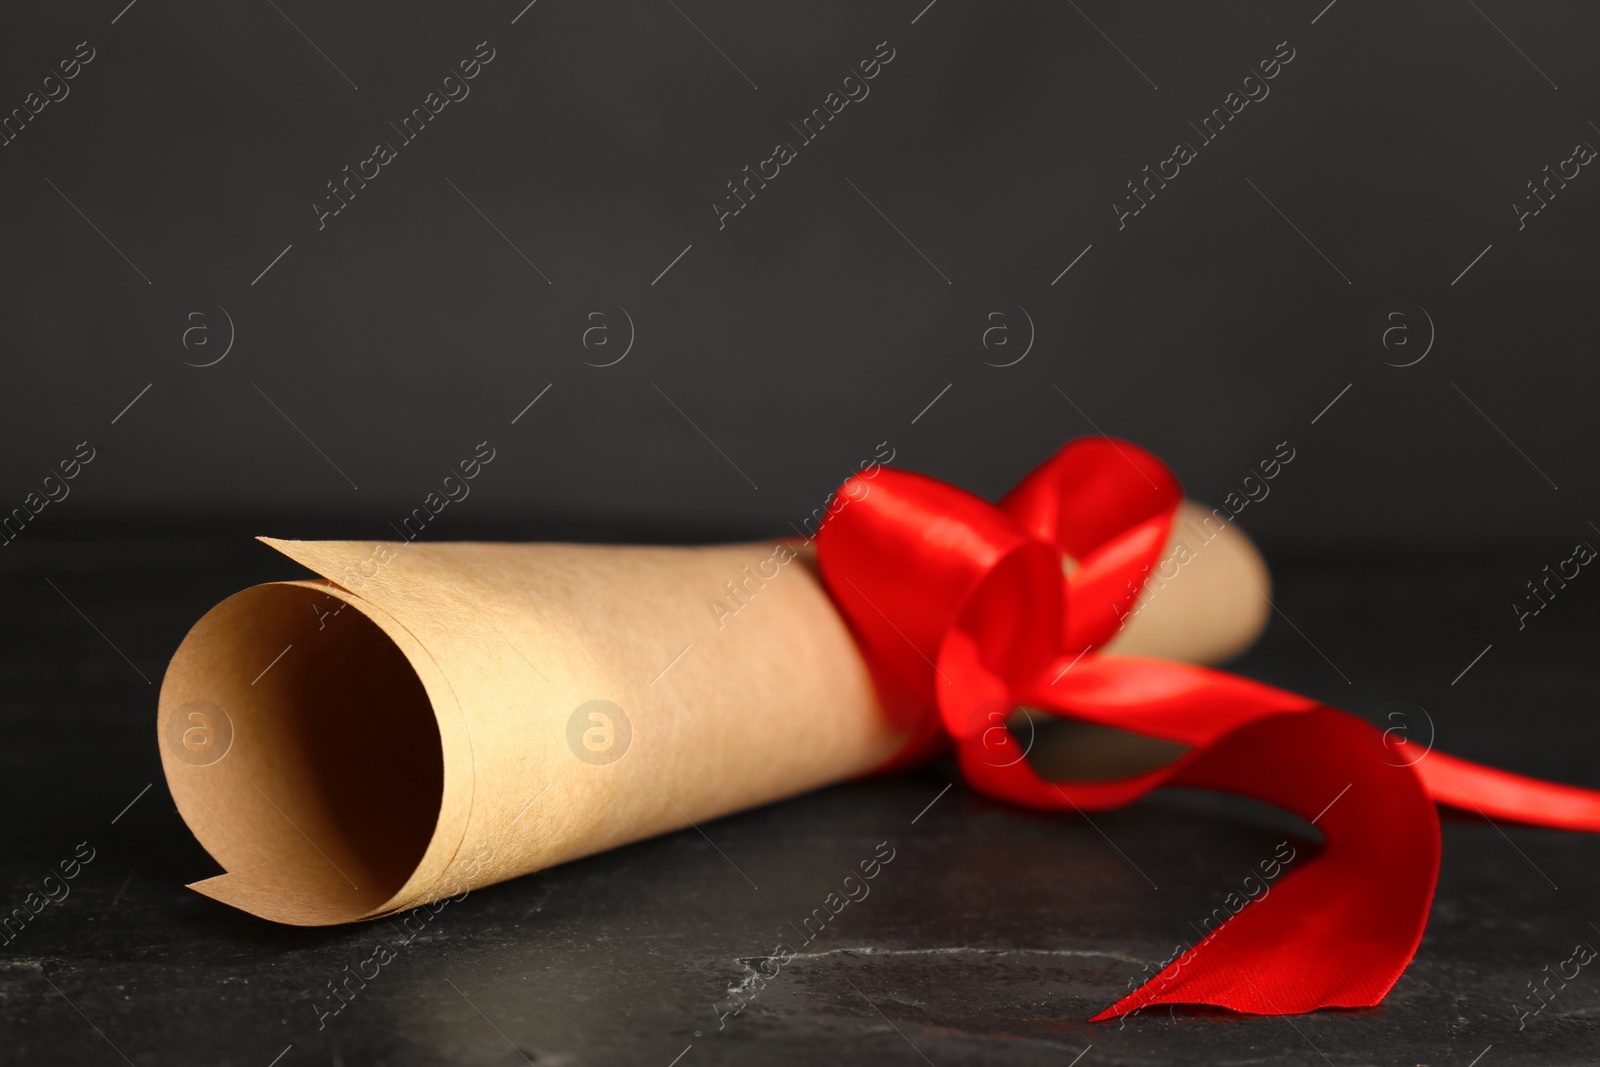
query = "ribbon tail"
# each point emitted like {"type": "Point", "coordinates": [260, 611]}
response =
{"type": "Point", "coordinates": [1158, 698]}
{"type": "Point", "coordinates": [1337, 930]}
{"type": "Point", "coordinates": [1196, 705]}
{"type": "Point", "coordinates": [1331, 931]}
{"type": "Point", "coordinates": [1497, 794]}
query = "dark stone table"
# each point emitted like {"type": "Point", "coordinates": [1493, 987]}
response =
{"type": "Point", "coordinates": [991, 936]}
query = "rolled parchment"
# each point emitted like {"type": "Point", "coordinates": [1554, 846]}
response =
{"type": "Point", "coordinates": [431, 718]}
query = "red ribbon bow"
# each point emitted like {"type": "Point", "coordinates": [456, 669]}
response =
{"type": "Point", "coordinates": [964, 606]}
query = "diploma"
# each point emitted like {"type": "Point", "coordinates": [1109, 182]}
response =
{"type": "Point", "coordinates": [429, 718]}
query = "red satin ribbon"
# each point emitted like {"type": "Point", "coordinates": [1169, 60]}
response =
{"type": "Point", "coordinates": [963, 606]}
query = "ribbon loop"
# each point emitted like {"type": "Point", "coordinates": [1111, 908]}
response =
{"type": "Point", "coordinates": [1108, 504]}
{"type": "Point", "coordinates": [985, 606]}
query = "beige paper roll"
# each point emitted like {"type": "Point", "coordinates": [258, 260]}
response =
{"type": "Point", "coordinates": [432, 718]}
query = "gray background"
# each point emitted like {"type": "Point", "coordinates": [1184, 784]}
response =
{"type": "Point", "coordinates": [809, 329]}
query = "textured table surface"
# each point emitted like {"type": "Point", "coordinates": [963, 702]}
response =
{"type": "Point", "coordinates": [989, 937]}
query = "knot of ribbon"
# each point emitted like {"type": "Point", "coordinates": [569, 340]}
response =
{"type": "Point", "coordinates": [972, 609]}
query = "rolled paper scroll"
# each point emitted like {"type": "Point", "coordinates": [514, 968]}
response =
{"type": "Point", "coordinates": [431, 718]}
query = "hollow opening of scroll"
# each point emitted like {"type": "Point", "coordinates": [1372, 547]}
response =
{"type": "Point", "coordinates": [329, 791]}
